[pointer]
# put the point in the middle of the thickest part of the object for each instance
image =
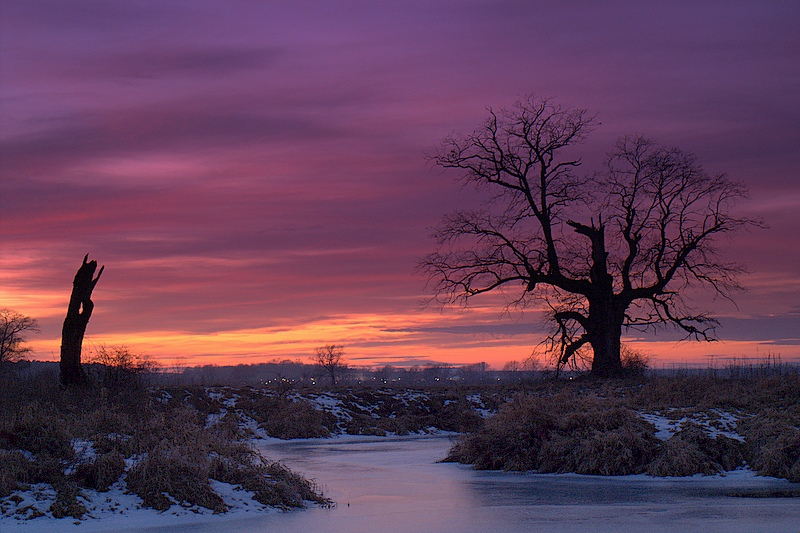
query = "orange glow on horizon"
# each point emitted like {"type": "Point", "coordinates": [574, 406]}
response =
{"type": "Point", "coordinates": [376, 340]}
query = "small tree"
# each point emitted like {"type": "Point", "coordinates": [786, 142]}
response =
{"type": "Point", "coordinates": [330, 359]}
{"type": "Point", "coordinates": [619, 249]}
{"type": "Point", "coordinates": [12, 327]}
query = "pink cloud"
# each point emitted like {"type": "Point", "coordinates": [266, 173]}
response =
{"type": "Point", "coordinates": [242, 165]}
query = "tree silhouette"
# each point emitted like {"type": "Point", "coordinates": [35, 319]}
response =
{"type": "Point", "coordinates": [330, 359]}
{"type": "Point", "coordinates": [78, 313]}
{"type": "Point", "coordinates": [12, 327]}
{"type": "Point", "coordinates": [603, 253]}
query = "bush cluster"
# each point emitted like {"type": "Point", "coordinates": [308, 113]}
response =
{"type": "Point", "coordinates": [363, 411]}
{"type": "Point", "coordinates": [557, 434]}
{"type": "Point", "coordinates": [594, 428]}
{"type": "Point", "coordinates": [286, 418]}
{"type": "Point", "coordinates": [772, 442]}
{"type": "Point", "coordinates": [382, 411]}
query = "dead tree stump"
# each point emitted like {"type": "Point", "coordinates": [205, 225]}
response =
{"type": "Point", "coordinates": [78, 314]}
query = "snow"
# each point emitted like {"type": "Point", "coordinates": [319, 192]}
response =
{"type": "Point", "coordinates": [214, 418]}
{"type": "Point", "coordinates": [476, 402]}
{"type": "Point", "coordinates": [249, 424]}
{"type": "Point", "coordinates": [84, 449]}
{"type": "Point", "coordinates": [715, 422]}
{"type": "Point", "coordinates": [396, 484]}
{"type": "Point", "coordinates": [230, 403]}
{"type": "Point", "coordinates": [115, 510]}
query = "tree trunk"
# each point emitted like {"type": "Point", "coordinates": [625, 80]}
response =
{"type": "Point", "coordinates": [605, 331]}
{"type": "Point", "coordinates": [78, 314]}
{"type": "Point", "coordinates": [605, 341]}
{"type": "Point", "coordinates": [604, 320]}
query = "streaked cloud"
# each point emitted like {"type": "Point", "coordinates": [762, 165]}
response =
{"type": "Point", "coordinates": [253, 174]}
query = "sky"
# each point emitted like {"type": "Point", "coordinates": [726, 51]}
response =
{"type": "Point", "coordinates": [253, 175]}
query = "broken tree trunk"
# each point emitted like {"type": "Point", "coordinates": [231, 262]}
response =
{"type": "Point", "coordinates": [78, 314]}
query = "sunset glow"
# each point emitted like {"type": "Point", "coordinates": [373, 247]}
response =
{"type": "Point", "coordinates": [253, 175]}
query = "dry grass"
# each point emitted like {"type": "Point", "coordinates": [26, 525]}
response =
{"type": "Point", "coordinates": [691, 451]}
{"type": "Point", "coordinates": [561, 434]}
{"type": "Point", "coordinates": [296, 420]}
{"type": "Point", "coordinates": [772, 440]}
{"type": "Point", "coordinates": [285, 418]}
{"type": "Point", "coordinates": [271, 483]}
{"type": "Point", "coordinates": [368, 411]}
{"type": "Point", "coordinates": [173, 451]}
{"type": "Point", "coordinates": [592, 427]}
{"type": "Point", "coordinates": [386, 412]}
{"type": "Point", "coordinates": [174, 474]}
{"type": "Point", "coordinates": [583, 426]}
{"type": "Point", "coordinates": [100, 473]}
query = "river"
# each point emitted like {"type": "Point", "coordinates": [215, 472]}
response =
{"type": "Point", "coordinates": [396, 484]}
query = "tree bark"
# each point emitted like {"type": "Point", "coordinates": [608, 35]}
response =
{"type": "Point", "coordinates": [78, 314]}
{"type": "Point", "coordinates": [606, 345]}
{"type": "Point", "coordinates": [604, 323]}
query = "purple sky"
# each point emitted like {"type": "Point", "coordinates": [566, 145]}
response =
{"type": "Point", "coordinates": [252, 174]}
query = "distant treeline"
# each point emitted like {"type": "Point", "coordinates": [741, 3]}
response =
{"type": "Point", "coordinates": [287, 373]}
{"type": "Point", "coordinates": [276, 373]}
{"type": "Point", "coordinates": [295, 372]}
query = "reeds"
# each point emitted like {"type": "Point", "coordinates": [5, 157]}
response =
{"type": "Point", "coordinates": [171, 449]}
{"type": "Point", "coordinates": [560, 434]}
{"type": "Point", "coordinates": [593, 427]}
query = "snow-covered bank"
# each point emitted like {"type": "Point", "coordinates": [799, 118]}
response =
{"type": "Point", "coordinates": [397, 484]}
{"type": "Point", "coordinates": [115, 510]}
{"type": "Point", "coordinates": [381, 444]}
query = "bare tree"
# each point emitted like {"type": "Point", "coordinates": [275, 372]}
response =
{"type": "Point", "coordinates": [13, 325]}
{"type": "Point", "coordinates": [78, 313]}
{"type": "Point", "coordinates": [616, 250]}
{"type": "Point", "coordinates": [330, 359]}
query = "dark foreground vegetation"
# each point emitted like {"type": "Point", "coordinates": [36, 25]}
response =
{"type": "Point", "coordinates": [598, 428]}
{"type": "Point", "coordinates": [159, 446]}
{"type": "Point", "coordinates": [168, 443]}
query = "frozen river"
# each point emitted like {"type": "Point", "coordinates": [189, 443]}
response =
{"type": "Point", "coordinates": [394, 484]}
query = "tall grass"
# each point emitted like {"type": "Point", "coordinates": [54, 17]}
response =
{"type": "Point", "coordinates": [561, 434]}
{"type": "Point", "coordinates": [593, 427]}
{"type": "Point", "coordinates": [166, 438]}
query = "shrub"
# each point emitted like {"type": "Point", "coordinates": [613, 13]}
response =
{"type": "Point", "coordinates": [67, 503]}
{"type": "Point", "coordinates": [271, 483]}
{"type": "Point", "coordinates": [15, 472]}
{"type": "Point", "coordinates": [634, 362]}
{"type": "Point", "coordinates": [176, 472]}
{"type": "Point", "coordinates": [288, 419]}
{"type": "Point", "coordinates": [41, 430]}
{"type": "Point", "coordinates": [772, 442]}
{"type": "Point", "coordinates": [100, 473]}
{"type": "Point", "coordinates": [119, 369]}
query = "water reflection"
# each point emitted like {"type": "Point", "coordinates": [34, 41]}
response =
{"type": "Point", "coordinates": [397, 485]}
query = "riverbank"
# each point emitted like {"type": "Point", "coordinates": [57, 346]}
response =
{"type": "Point", "coordinates": [397, 484]}
{"type": "Point", "coordinates": [367, 430]}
